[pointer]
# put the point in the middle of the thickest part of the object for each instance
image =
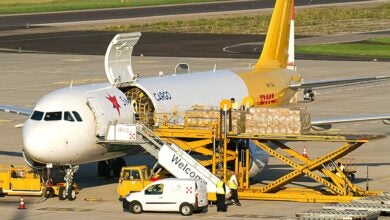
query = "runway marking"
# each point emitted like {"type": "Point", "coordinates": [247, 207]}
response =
{"type": "Point", "coordinates": [227, 48]}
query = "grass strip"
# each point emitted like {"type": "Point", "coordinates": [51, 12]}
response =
{"type": "Point", "coordinates": [375, 48]}
{"type": "Point", "coordinates": [311, 21]}
{"type": "Point", "coordinates": [31, 6]}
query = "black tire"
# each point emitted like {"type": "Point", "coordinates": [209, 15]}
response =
{"type": "Point", "coordinates": [117, 166]}
{"type": "Point", "coordinates": [352, 177]}
{"type": "Point", "coordinates": [125, 205]}
{"type": "Point", "coordinates": [136, 208]}
{"type": "Point", "coordinates": [103, 169]}
{"type": "Point", "coordinates": [62, 193]}
{"type": "Point", "coordinates": [48, 192]}
{"type": "Point", "coordinates": [71, 193]}
{"type": "Point", "coordinates": [186, 209]}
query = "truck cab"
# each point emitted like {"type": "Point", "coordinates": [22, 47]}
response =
{"type": "Point", "coordinates": [132, 179]}
{"type": "Point", "coordinates": [169, 195]}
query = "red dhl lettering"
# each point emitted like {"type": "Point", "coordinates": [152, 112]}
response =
{"type": "Point", "coordinates": [266, 99]}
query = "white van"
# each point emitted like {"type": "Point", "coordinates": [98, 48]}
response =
{"type": "Point", "coordinates": [169, 195]}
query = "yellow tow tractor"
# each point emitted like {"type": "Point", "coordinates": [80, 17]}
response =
{"type": "Point", "coordinates": [24, 181]}
{"type": "Point", "coordinates": [134, 179]}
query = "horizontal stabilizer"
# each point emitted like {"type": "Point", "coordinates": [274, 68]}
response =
{"type": "Point", "coordinates": [325, 124]}
{"type": "Point", "coordinates": [337, 82]}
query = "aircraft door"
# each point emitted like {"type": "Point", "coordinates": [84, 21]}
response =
{"type": "Point", "coordinates": [100, 118]}
{"type": "Point", "coordinates": [117, 61]}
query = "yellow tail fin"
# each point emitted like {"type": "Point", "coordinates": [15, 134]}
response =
{"type": "Point", "coordinates": [275, 49]}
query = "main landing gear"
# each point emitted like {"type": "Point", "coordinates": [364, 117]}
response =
{"type": "Point", "coordinates": [115, 165]}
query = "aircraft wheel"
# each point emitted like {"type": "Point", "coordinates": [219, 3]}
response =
{"type": "Point", "coordinates": [62, 193]}
{"type": "Point", "coordinates": [71, 193]}
{"type": "Point", "coordinates": [103, 169]}
{"type": "Point", "coordinates": [117, 166]}
{"type": "Point", "coordinates": [48, 192]}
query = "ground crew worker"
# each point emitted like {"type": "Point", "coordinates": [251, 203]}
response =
{"type": "Point", "coordinates": [234, 104]}
{"type": "Point", "coordinates": [233, 189]}
{"type": "Point", "coordinates": [221, 193]}
{"type": "Point", "coordinates": [341, 167]}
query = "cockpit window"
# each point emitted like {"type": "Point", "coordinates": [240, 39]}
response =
{"type": "Point", "coordinates": [37, 115]}
{"type": "Point", "coordinates": [68, 116]}
{"type": "Point", "coordinates": [53, 116]}
{"type": "Point", "coordinates": [77, 116]}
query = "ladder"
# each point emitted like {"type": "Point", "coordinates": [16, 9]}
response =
{"type": "Point", "coordinates": [175, 160]}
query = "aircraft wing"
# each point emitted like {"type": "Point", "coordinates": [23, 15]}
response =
{"type": "Point", "coordinates": [16, 110]}
{"type": "Point", "coordinates": [324, 124]}
{"type": "Point", "coordinates": [329, 83]}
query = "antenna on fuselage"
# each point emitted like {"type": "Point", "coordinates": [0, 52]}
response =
{"type": "Point", "coordinates": [71, 84]}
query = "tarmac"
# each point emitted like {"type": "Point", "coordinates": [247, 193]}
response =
{"type": "Point", "coordinates": [26, 77]}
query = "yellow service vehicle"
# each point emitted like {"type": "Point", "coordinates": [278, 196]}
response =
{"type": "Point", "coordinates": [132, 179]}
{"type": "Point", "coordinates": [19, 180]}
{"type": "Point", "coordinates": [24, 181]}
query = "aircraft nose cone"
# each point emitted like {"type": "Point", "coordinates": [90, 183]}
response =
{"type": "Point", "coordinates": [36, 142]}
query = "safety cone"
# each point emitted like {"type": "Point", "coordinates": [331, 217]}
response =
{"type": "Point", "coordinates": [305, 152]}
{"type": "Point", "coordinates": [21, 204]}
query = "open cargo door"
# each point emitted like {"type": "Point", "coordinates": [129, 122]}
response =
{"type": "Point", "coordinates": [117, 62]}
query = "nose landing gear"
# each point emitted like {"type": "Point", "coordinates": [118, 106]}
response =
{"type": "Point", "coordinates": [69, 191]}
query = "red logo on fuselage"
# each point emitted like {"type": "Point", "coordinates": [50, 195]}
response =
{"type": "Point", "coordinates": [115, 103]}
{"type": "Point", "coordinates": [266, 99]}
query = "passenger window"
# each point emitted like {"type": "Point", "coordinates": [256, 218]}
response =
{"type": "Point", "coordinates": [154, 189]}
{"type": "Point", "coordinates": [77, 116]}
{"type": "Point", "coordinates": [53, 116]}
{"type": "Point", "coordinates": [68, 116]}
{"type": "Point", "coordinates": [37, 115]}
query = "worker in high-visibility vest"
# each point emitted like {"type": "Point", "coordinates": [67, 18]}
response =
{"type": "Point", "coordinates": [233, 184]}
{"type": "Point", "coordinates": [235, 105]}
{"type": "Point", "coordinates": [221, 193]}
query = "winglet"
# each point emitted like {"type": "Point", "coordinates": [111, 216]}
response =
{"type": "Point", "coordinates": [274, 54]}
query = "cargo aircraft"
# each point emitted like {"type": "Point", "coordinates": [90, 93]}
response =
{"type": "Point", "coordinates": [65, 126]}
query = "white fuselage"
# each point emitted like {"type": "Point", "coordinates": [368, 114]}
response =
{"type": "Point", "coordinates": [62, 141]}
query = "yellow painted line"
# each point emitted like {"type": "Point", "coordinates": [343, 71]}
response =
{"type": "Point", "coordinates": [79, 81]}
{"type": "Point", "coordinates": [4, 121]}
